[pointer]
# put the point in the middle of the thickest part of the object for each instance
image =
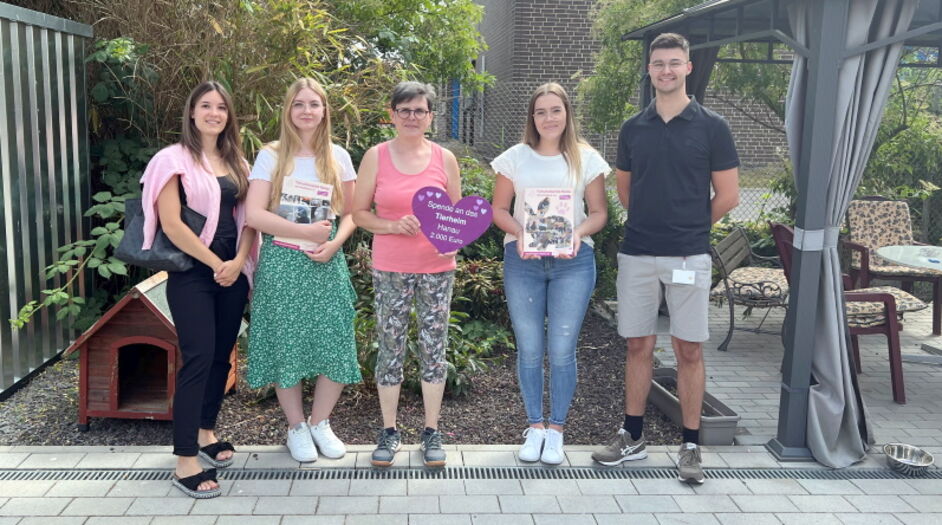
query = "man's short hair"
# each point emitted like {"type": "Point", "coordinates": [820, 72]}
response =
{"type": "Point", "coordinates": [670, 41]}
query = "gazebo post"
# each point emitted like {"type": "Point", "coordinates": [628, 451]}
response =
{"type": "Point", "coordinates": [645, 85]}
{"type": "Point", "coordinates": [827, 39]}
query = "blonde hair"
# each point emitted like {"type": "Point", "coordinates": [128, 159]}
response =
{"type": "Point", "coordinates": [289, 144]}
{"type": "Point", "coordinates": [570, 142]}
{"type": "Point", "coordinates": [229, 142]}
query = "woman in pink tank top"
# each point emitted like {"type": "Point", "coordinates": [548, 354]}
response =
{"type": "Point", "coordinates": [407, 269]}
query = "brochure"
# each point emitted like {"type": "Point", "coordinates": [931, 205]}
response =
{"type": "Point", "coordinates": [550, 214]}
{"type": "Point", "coordinates": [303, 202]}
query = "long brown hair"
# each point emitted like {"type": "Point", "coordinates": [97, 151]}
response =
{"type": "Point", "coordinates": [229, 142]}
{"type": "Point", "coordinates": [289, 144]}
{"type": "Point", "coordinates": [570, 142]}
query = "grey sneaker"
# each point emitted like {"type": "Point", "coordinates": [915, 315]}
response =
{"type": "Point", "coordinates": [622, 448]}
{"type": "Point", "coordinates": [386, 447]}
{"type": "Point", "coordinates": [432, 452]}
{"type": "Point", "coordinates": [688, 464]}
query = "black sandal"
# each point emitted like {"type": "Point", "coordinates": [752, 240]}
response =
{"type": "Point", "coordinates": [190, 484]}
{"type": "Point", "coordinates": [209, 453]}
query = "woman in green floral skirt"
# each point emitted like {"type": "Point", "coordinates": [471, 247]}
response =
{"type": "Point", "coordinates": [303, 303]}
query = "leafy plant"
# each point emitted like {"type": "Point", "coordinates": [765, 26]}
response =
{"type": "Point", "coordinates": [142, 69]}
{"type": "Point", "coordinates": [480, 285]}
{"type": "Point", "coordinates": [607, 243]}
{"type": "Point", "coordinates": [73, 258]}
{"type": "Point", "coordinates": [478, 179]}
{"type": "Point", "coordinates": [121, 114]}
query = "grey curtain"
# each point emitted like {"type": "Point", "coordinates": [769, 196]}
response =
{"type": "Point", "coordinates": [703, 61]}
{"type": "Point", "coordinates": [838, 434]}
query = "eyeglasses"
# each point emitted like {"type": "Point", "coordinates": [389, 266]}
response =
{"type": "Point", "coordinates": [419, 113]}
{"type": "Point", "coordinates": [674, 65]}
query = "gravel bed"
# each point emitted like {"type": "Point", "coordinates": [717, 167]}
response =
{"type": "Point", "coordinates": [44, 411]}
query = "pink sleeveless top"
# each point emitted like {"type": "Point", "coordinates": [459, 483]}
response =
{"type": "Point", "coordinates": [393, 198]}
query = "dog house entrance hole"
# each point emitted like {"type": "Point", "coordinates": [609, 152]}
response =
{"type": "Point", "coordinates": [142, 372]}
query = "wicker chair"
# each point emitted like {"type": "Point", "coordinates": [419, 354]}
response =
{"type": "Point", "coordinates": [876, 222]}
{"type": "Point", "coordinates": [877, 310]}
{"type": "Point", "coordinates": [744, 283]}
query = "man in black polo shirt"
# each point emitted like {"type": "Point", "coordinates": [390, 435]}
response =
{"type": "Point", "coordinates": [669, 156]}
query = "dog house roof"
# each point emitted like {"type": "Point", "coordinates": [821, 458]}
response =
{"type": "Point", "coordinates": [153, 293]}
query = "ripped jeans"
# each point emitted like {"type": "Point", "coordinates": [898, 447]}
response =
{"type": "Point", "coordinates": [547, 299]}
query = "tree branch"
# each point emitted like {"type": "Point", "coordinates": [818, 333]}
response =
{"type": "Point", "coordinates": [768, 125]}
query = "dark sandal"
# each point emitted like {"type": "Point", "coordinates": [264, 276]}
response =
{"type": "Point", "coordinates": [190, 484]}
{"type": "Point", "coordinates": [209, 453]}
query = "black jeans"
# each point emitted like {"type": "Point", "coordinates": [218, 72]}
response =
{"type": "Point", "coordinates": [207, 318]}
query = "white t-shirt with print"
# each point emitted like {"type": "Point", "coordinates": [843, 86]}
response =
{"type": "Point", "coordinates": [305, 168]}
{"type": "Point", "coordinates": [528, 169]}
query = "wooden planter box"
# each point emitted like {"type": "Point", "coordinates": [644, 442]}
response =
{"type": "Point", "coordinates": [130, 357]}
{"type": "Point", "coordinates": [718, 422]}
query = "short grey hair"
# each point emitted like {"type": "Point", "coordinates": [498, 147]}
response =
{"type": "Point", "coordinates": [410, 89]}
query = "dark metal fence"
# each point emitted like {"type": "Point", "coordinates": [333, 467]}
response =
{"type": "Point", "coordinates": [44, 181]}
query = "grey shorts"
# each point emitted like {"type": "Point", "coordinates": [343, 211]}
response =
{"type": "Point", "coordinates": [639, 295]}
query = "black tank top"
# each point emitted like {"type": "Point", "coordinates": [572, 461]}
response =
{"type": "Point", "coordinates": [226, 229]}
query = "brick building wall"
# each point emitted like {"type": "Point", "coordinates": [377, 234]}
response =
{"type": "Point", "coordinates": [535, 41]}
{"type": "Point", "coordinates": [529, 42]}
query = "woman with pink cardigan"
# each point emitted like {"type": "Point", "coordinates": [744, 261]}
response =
{"type": "Point", "coordinates": [207, 172]}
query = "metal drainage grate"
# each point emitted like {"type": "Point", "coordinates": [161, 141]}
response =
{"type": "Point", "coordinates": [457, 473]}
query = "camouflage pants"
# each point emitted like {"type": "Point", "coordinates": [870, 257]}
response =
{"type": "Point", "coordinates": [394, 293]}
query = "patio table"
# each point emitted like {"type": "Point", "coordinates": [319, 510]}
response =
{"type": "Point", "coordinates": [918, 256]}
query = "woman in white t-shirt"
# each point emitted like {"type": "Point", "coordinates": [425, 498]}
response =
{"type": "Point", "coordinates": [547, 296]}
{"type": "Point", "coordinates": [303, 303]}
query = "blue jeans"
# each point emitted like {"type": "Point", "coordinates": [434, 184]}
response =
{"type": "Point", "coordinates": [547, 299]}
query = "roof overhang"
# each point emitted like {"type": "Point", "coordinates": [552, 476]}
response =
{"type": "Point", "coordinates": [719, 22]}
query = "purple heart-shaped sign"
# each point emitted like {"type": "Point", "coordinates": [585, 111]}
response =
{"type": "Point", "coordinates": [448, 226]}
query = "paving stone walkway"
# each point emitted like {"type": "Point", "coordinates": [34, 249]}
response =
{"type": "Point", "coordinates": [746, 378]}
{"type": "Point", "coordinates": [455, 501]}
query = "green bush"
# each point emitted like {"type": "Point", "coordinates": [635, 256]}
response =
{"type": "Point", "coordinates": [478, 179]}
{"type": "Point", "coordinates": [141, 70]}
{"type": "Point", "coordinates": [607, 242]}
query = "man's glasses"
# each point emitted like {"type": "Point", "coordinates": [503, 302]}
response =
{"type": "Point", "coordinates": [419, 113]}
{"type": "Point", "coordinates": [674, 65]}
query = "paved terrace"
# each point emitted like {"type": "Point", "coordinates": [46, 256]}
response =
{"type": "Point", "coordinates": [487, 484]}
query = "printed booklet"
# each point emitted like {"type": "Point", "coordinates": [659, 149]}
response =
{"type": "Point", "coordinates": [303, 202]}
{"type": "Point", "coordinates": [550, 216]}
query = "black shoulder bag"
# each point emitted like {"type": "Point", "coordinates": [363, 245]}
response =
{"type": "Point", "coordinates": [163, 254]}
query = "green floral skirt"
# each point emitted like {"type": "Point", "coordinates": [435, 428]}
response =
{"type": "Point", "coordinates": [302, 319]}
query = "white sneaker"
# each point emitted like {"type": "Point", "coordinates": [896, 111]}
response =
{"type": "Point", "coordinates": [530, 451]}
{"type": "Point", "coordinates": [300, 443]}
{"type": "Point", "coordinates": [327, 442]}
{"type": "Point", "coordinates": [552, 448]}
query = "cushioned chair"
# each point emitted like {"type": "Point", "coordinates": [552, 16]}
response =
{"type": "Point", "coordinates": [875, 222]}
{"type": "Point", "coordinates": [876, 310]}
{"type": "Point", "coordinates": [745, 283]}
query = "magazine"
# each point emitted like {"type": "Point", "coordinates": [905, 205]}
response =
{"type": "Point", "coordinates": [303, 202]}
{"type": "Point", "coordinates": [550, 214]}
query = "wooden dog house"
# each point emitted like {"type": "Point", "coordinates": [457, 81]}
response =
{"type": "Point", "coordinates": [129, 358]}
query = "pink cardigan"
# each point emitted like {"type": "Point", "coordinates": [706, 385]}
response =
{"type": "Point", "coordinates": [202, 195]}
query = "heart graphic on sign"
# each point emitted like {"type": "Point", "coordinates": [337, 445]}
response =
{"type": "Point", "coordinates": [448, 226]}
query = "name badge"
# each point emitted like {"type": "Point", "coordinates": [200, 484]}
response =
{"type": "Point", "coordinates": [684, 277]}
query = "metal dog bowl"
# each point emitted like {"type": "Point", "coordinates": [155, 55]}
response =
{"type": "Point", "coordinates": [907, 459]}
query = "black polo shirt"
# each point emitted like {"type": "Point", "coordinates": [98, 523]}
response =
{"type": "Point", "coordinates": [671, 165]}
